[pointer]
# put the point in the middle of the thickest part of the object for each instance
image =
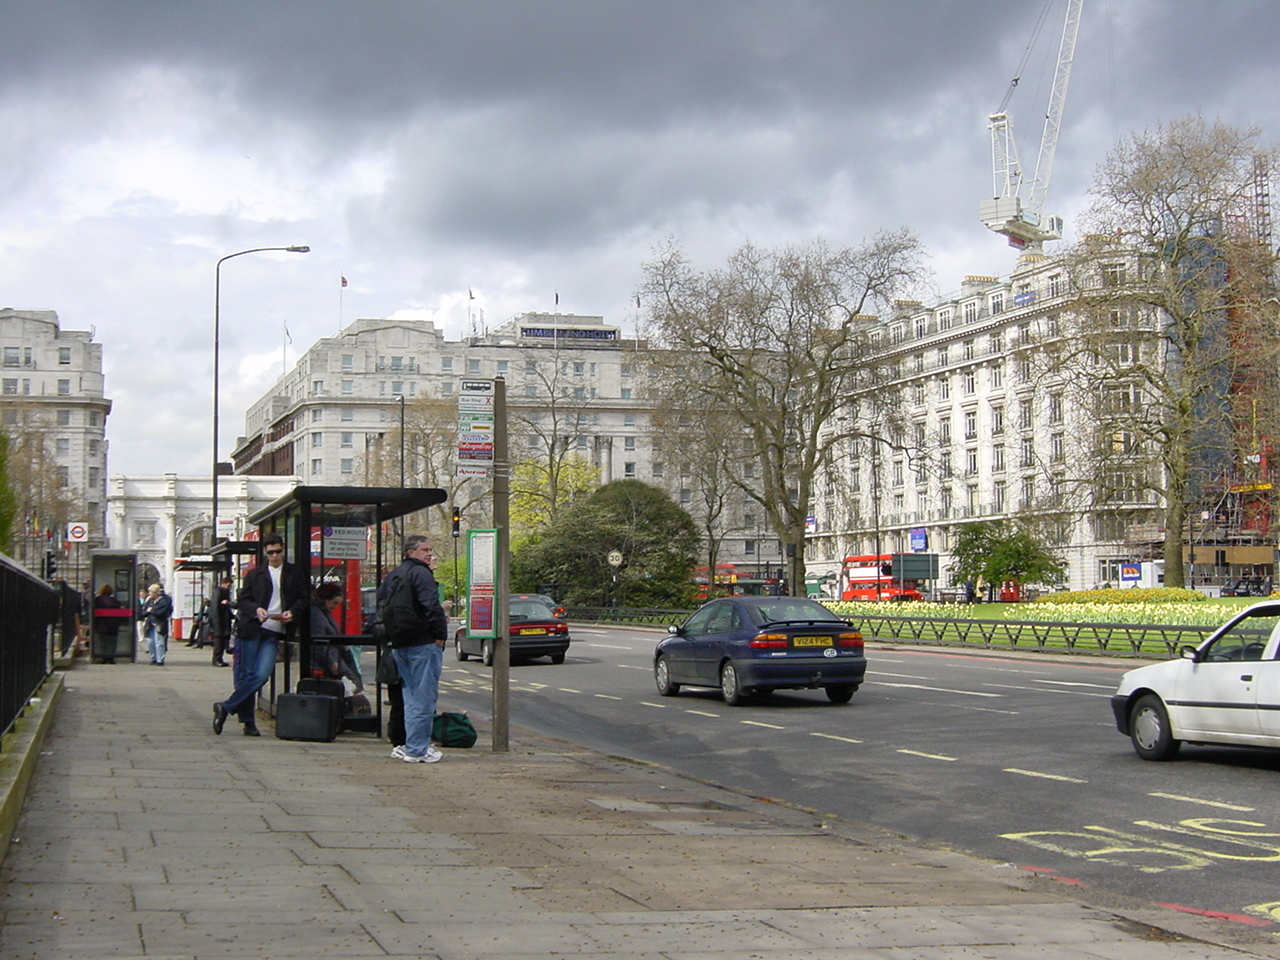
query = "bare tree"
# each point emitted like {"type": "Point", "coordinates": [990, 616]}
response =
{"type": "Point", "coordinates": [1176, 295]}
{"type": "Point", "coordinates": [777, 340]}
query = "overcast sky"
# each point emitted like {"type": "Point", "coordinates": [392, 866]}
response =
{"type": "Point", "coordinates": [519, 150]}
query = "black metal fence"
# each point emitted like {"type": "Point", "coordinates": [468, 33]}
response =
{"type": "Point", "coordinates": [29, 615]}
{"type": "Point", "coordinates": [1149, 641]}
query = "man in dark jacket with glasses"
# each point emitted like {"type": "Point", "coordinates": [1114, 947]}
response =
{"type": "Point", "coordinates": [273, 596]}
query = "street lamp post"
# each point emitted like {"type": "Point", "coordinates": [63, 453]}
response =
{"type": "Point", "coordinates": [217, 320]}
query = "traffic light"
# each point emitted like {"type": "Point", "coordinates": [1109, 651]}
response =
{"type": "Point", "coordinates": [50, 565]}
{"type": "Point", "coordinates": [457, 522]}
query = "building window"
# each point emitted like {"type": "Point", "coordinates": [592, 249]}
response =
{"type": "Point", "coordinates": [95, 418]}
{"type": "Point", "coordinates": [316, 415]}
{"type": "Point", "coordinates": [64, 476]}
{"type": "Point", "coordinates": [348, 387]}
{"type": "Point", "coordinates": [446, 389]}
{"type": "Point", "coordinates": [944, 319]}
{"type": "Point", "coordinates": [971, 462]}
{"type": "Point", "coordinates": [997, 376]}
{"type": "Point", "coordinates": [62, 447]}
{"type": "Point", "coordinates": [1057, 447]}
{"type": "Point", "coordinates": [970, 381]}
{"type": "Point", "coordinates": [64, 356]}
{"type": "Point", "coordinates": [1055, 408]}
{"type": "Point", "coordinates": [944, 431]}
{"type": "Point", "coordinates": [348, 361]}
{"type": "Point", "coordinates": [317, 388]}
{"type": "Point", "coordinates": [917, 393]}
{"type": "Point", "coordinates": [64, 418]}
{"type": "Point", "coordinates": [503, 366]}
{"type": "Point", "coordinates": [945, 469]}
{"type": "Point", "coordinates": [1113, 275]}
{"type": "Point", "coordinates": [628, 443]}
{"type": "Point", "coordinates": [1028, 453]}
{"type": "Point", "coordinates": [347, 465]}
{"type": "Point", "coordinates": [64, 388]}
{"type": "Point", "coordinates": [446, 364]}
{"type": "Point", "coordinates": [657, 470]}
{"type": "Point", "coordinates": [95, 447]}
{"type": "Point", "coordinates": [971, 311]}
{"type": "Point", "coordinates": [473, 368]}
{"type": "Point", "coordinates": [348, 439]}
{"type": "Point", "coordinates": [968, 349]}
{"type": "Point", "coordinates": [95, 478]}
{"type": "Point", "coordinates": [317, 467]}
{"type": "Point", "coordinates": [971, 425]}
{"type": "Point", "coordinates": [629, 470]}
{"type": "Point", "coordinates": [625, 393]}
{"type": "Point", "coordinates": [346, 414]}
{"type": "Point", "coordinates": [944, 388]}
{"type": "Point", "coordinates": [317, 440]}
{"type": "Point", "coordinates": [997, 458]}
{"type": "Point", "coordinates": [11, 356]}
{"type": "Point", "coordinates": [998, 496]}
{"type": "Point", "coordinates": [942, 356]}
{"type": "Point", "coordinates": [997, 421]}
{"type": "Point", "coordinates": [996, 344]}
{"type": "Point", "coordinates": [997, 303]}
{"type": "Point", "coordinates": [628, 419]}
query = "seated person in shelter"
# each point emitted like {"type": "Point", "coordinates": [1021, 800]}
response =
{"type": "Point", "coordinates": [331, 661]}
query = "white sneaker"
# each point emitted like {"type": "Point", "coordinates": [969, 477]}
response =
{"type": "Point", "coordinates": [397, 753]}
{"type": "Point", "coordinates": [431, 756]}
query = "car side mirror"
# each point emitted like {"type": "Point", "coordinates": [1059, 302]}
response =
{"type": "Point", "coordinates": [1190, 653]}
{"type": "Point", "coordinates": [674, 630]}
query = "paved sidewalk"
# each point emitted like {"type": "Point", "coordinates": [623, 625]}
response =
{"type": "Point", "coordinates": [146, 836]}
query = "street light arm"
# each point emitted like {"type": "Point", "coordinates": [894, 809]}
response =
{"type": "Point", "coordinates": [217, 311]}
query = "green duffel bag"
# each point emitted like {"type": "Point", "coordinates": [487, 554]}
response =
{"type": "Point", "coordinates": [453, 730]}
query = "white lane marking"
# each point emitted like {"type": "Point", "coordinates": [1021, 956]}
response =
{"type": "Point", "coordinates": [832, 736]}
{"type": "Point", "coordinates": [632, 666]}
{"type": "Point", "coordinates": [902, 676]}
{"type": "Point", "coordinates": [700, 713]}
{"type": "Point", "coordinates": [1076, 683]}
{"type": "Point", "coordinates": [607, 646]}
{"type": "Point", "coordinates": [928, 756]}
{"type": "Point", "coordinates": [568, 690]}
{"type": "Point", "coordinates": [757, 723]}
{"type": "Point", "coordinates": [921, 686]}
{"type": "Point", "coordinates": [1026, 689]}
{"type": "Point", "coordinates": [1207, 803]}
{"type": "Point", "coordinates": [605, 696]}
{"type": "Point", "coordinates": [1043, 776]}
{"type": "Point", "coordinates": [646, 703]}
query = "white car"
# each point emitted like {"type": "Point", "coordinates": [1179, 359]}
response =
{"type": "Point", "coordinates": [1227, 690]}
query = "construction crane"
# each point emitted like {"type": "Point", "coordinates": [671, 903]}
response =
{"type": "Point", "coordinates": [1024, 223]}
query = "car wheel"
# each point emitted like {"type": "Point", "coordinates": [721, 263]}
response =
{"type": "Point", "coordinates": [730, 688]}
{"type": "Point", "coordinates": [486, 653]}
{"type": "Point", "coordinates": [841, 692]}
{"type": "Point", "coordinates": [458, 651]}
{"type": "Point", "coordinates": [662, 677]}
{"type": "Point", "coordinates": [1149, 729]}
{"type": "Point", "coordinates": [557, 658]}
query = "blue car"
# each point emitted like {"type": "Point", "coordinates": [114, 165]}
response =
{"type": "Point", "coordinates": [750, 645]}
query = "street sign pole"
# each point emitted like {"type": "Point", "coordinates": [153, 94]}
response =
{"type": "Point", "coordinates": [501, 612]}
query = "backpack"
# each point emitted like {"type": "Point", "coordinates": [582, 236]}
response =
{"type": "Point", "coordinates": [399, 617]}
{"type": "Point", "coordinates": [453, 730]}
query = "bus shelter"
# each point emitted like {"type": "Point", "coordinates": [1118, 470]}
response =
{"type": "Point", "coordinates": [341, 536]}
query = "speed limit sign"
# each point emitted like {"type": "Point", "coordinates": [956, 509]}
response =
{"type": "Point", "coordinates": [77, 532]}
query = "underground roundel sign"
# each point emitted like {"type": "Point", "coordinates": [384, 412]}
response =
{"type": "Point", "coordinates": [77, 532]}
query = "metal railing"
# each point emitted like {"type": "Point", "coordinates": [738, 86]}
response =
{"type": "Point", "coordinates": [1145, 641]}
{"type": "Point", "coordinates": [28, 615]}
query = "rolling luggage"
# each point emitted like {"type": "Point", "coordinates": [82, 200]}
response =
{"type": "Point", "coordinates": [308, 716]}
{"type": "Point", "coordinates": [325, 688]}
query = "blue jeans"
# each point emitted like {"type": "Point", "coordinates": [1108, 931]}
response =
{"type": "Point", "coordinates": [157, 644]}
{"type": "Point", "coordinates": [420, 681]}
{"type": "Point", "coordinates": [253, 663]}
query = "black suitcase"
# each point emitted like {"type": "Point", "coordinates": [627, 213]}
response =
{"type": "Point", "coordinates": [308, 716]}
{"type": "Point", "coordinates": [325, 688]}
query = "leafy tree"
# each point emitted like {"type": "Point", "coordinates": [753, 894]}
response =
{"type": "Point", "coordinates": [540, 489]}
{"type": "Point", "coordinates": [997, 551]}
{"type": "Point", "coordinates": [775, 342]}
{"type": "Point", "coordinates": [658, 542]}
{"type": "Point", "coordinates": [1175, 283]}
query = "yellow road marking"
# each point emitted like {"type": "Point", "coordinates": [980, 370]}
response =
{"type": "Point", "coordinates": [1207, 803]}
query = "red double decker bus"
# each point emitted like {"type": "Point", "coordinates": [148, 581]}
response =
{"type": "Point", "coordinates": [870, 577]}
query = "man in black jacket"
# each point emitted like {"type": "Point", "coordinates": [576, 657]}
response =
{"type": "Point", "coordinates": [419, 653]}
{"type": "Point", "coordinates": [272, 598]}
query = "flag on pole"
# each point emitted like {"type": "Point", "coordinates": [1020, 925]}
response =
{"type": "Point", "coordinates": [557, 298]}
{"type": "Point", "coordinates": [286, 332]}
{"type": "Point", "coordinates": [470, 295]}
{"type": "Point", "coordinates": [344, 281]}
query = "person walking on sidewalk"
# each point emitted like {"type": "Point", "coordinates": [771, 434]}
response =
{"type": "Point", "coordinates": [156, 611]}
{"type": "Point", "coordinates": [220, 620]}
{"type": "Point", "coordinates": [271, 599]}
{"type": "Point", "coordinates": [417, 628]}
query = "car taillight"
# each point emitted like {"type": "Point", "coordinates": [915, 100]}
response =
{"type": "Point", "coordinates": [769, 641]}
{"type": "Point", "coordinates": [849, 640]}
{"type": "Point", "coordinates": [560, 628]}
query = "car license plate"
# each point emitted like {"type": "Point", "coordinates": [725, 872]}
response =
{"type": "Point", "coordinates": [811, 641]}
{"type": "Point", "coordinates": [532, 631]}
